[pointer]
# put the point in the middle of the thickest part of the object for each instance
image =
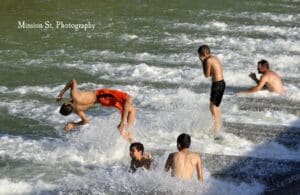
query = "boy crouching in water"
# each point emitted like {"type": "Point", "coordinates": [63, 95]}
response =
{"type": "Point", "coordinates": [184, 163]}
{"type": "Point", "coordinates": [138, 157]}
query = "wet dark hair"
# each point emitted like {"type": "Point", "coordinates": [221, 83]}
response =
{"type": "Point", "coordinates": [203, 49]}
{"type": "Point", "coordinates": [264, 63]}
{"type": "Point", "coordinates": [139, 146]}
{"type": "Point", "coordinates": [184, 140]}
{"type": "Point", "coordinates": [66, 109]}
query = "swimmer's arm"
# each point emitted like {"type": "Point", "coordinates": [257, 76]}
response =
{"type": "Point", "coordinates": [72, 125]}
{"type": "Point", "coordinates": [207, 69]}
{"type": "Point", "coordinates": [258, 87]}
{"type": "Point", "coordinates": [84, 118]}
{"type": "Point", "coordinates": [169, 162]}
{"type": "Point", "coordinates": [71, 84]}
{"type": "Point", "coordinates": [199, 170]}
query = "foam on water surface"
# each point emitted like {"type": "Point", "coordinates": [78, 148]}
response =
{"type": "Point", "coordinates": [98, 162]}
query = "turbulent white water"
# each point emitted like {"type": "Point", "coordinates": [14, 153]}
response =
{"type": "Point", "coordinates": [99, 157]}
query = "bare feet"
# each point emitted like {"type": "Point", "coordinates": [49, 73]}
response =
{"type": "Point", "coordinates": [126, 135]}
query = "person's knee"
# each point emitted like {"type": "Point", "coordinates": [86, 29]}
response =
{"type": "Point", "coordinates": [212, 106]}
{"type": "Point", "coordinates": [129, 99]}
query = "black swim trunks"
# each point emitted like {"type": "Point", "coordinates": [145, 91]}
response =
{"type": "Point", "coordinates": [217, 91]}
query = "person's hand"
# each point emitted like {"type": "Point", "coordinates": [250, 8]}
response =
{"type": "Point", "coordinates": [58, 98]}
{"type": "Point", "coordinates": [252, 75]}
{"type": "Point", "coordinates": [147, 155]}
{"type": "Point", "coordinates": [69, 126]}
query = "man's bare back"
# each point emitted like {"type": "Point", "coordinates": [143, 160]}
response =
{"type": "Point", "coordinates": [184, 163]}
{"type": "Point", "coordinates": [82, 100]}
{"type": "Point", "coordinates": [273, 82]}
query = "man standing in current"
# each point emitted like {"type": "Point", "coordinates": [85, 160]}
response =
{"type": "Point", "coordinates": [212, 68]}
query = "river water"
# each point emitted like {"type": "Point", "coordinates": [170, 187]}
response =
{"type": "Point", "coordinates": [148, 49]}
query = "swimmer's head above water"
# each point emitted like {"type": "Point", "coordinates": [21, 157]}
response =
{"type": "Point", "coordinates": [262, 66]}
{"type": "Point", "coordinates": [183, 141]}
{"type": "Point", "coordinates": [136, 150]}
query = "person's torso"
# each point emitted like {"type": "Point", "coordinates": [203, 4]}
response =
{"type": "Point", "coordinates": [216, 69]}
{"type": "Point", "coordinates": [82, 100]}
{"type": "Point", "coordinates": [274, 82]}
{"type": "Point", "coordinates": [183, 165]}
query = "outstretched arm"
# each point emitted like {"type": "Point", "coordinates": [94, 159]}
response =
{"type": "Point", "coordinates": [71, 84]}
{"type": "Point", "coordinates": [258, 87]}
{"type": "Point", "coordinates": [168, 164]}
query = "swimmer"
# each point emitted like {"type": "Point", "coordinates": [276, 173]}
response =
{"type": "Point", "coordinates": [212, 68]}
{"type": "Point", "coordinates": [269, 79]}
{"type": "Point", "coordinates": [82, 100]}
{"type": "Point", "coordinates": [184, 163]}
{"type": "Point", "coordinates": [138, 157]}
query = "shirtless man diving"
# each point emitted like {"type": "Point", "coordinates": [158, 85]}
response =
{"type": "Point", "coordinates": [212, 68]}
{"type": "Point", "coordinates": [269, 79]}
{"type": "Point", "coordinates": [184, 163]}
{"type": "Point", "coordinates": [82, 100]}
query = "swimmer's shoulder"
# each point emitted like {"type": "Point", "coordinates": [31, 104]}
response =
{"type": "Point", "coordinates": [213, 61]}
{"type": "Point", "coordinates": [172, 156]}
{"type": "Point", "coordinates": [196, 156]}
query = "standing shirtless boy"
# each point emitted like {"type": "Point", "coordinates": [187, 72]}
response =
{"type": "Point", "coordinates": [212, 68]}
